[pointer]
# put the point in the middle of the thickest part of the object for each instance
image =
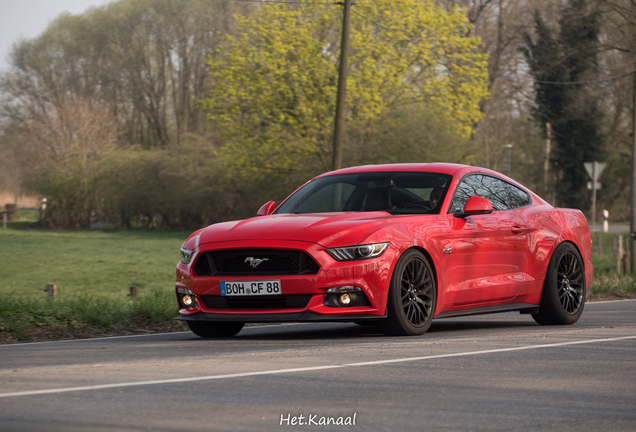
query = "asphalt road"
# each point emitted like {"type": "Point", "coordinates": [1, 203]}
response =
{"type": "Point", "coordinates": [490, 373]}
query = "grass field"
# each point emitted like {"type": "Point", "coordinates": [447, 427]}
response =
{"type": "Point", "coordinates": [607, 283]}
{"type": "Point", "coordinates": [606, 263]}
{"type": "Point", "coordinates": [87, 263]}
{"type": "Point", "coordinates": [94, 270]}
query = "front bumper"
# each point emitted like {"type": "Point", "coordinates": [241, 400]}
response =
{"type": "Point", "coordinates": [372, 276]}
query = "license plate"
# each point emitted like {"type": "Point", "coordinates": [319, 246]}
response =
{"type": "Point", "coordinates": [238, 288]}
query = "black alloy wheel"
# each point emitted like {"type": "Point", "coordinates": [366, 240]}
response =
{"type": "Point", "coordinates": [412, 296]}
{"type": "Point", "coordinates": [207, 329]}
{"type": "Point", "coordinates": [563, 295]}
{"type": "Point", "coordinates": [570, 282]}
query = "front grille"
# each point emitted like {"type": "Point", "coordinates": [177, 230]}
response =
{"type": "Point", "coordinates": [235, 262]}
{"type": "Point", "coordinates": [257, 302]}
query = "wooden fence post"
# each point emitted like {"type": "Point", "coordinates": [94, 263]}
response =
{"type": "Point", "coordinates": [617, 248]}
{"type": "Point", "coordinates": [11, 210]}
{"type": "Point", "coordinates": [51, 290]}
{"type": "Point", "coordinates": [134, 292]}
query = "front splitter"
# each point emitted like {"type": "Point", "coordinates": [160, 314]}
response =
{"type": "Point", "coordinates": [281, 317]}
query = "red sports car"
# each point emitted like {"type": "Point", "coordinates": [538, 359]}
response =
{"type": "Point", "coordinates": [396, 245]}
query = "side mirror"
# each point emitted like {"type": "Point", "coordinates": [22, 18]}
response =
{"type": "Point", "coordinates": [475, 205]}
{"type": "Point", "coordinates": [266, 209]}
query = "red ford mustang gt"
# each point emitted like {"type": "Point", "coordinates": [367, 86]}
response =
{"type": "Point", "coordinates": [395, 245]}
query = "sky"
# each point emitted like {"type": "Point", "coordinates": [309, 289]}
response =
{"type": "Point", "coordinates": [29, 18]}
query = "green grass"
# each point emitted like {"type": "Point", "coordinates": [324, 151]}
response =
{"type": "Point", "coordinates": [616, 285]}
{"type": "Point", "coordinates": [606, 280]}
{"type": "Point", "coordinates": [27, 215]}
{"type": "Point", "coordinates": [606, 263]}
{"type": "Point", "coordinates": [93, 272]}
{"type": "Point", "coordinates": [82, 262]}
{"type": "Point", "coordinates": [24, 318]}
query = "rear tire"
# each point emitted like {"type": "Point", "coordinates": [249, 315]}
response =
{"type": "Point", "coordinates": [563, 296]}
{"type": "Point", "coordinates": [412, 297]}
{"type": "Point", "coordinates": [206, 329]}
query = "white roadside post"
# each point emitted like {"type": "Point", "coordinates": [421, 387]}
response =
{"type": "Point", "coordinates": [594, 169]}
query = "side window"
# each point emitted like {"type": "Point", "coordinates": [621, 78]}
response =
{"type": "Point", "coordinates": [484, 186]}
{"type": "Point", "coordinates": [518, 197]}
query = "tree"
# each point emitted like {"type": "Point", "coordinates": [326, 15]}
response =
{"type": "Point", "coordinates": [573, 110]}
{"type": "Point", "coordinates": [143, 59]}
{"type": "Point", "coordinates": [128, 74]}
{"type": "Point", "coordinates": [618, 48]}
{"type": "Point", "coordinates": [68, 143]}
{"type": "Point", "coordinates": [273, 87]}
{"type": "Point", "coordinates": [401, 137]}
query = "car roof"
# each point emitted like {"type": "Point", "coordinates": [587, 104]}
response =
{"type": "Point", "coordinates": [456, 170]}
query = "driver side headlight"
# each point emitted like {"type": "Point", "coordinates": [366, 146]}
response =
{"type": "Point", "coordinates": [186, 255]}
{"type": "Point", "coordinates": [360, 252]}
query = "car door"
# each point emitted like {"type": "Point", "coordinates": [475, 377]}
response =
{"type": "Point", "coordinates": [536, 246]}
{"type": "Point", "coordinates": [488, 260]}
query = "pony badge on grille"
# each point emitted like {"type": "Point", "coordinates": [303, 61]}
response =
{"type": "Point", "coordinates": [255, 262]}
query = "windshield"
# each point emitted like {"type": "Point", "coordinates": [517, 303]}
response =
{"type": "Point", "coordinates": [393, 192]}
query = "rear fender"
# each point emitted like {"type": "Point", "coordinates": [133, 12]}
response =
{"type": "Point", "coordinates": [558, 225]}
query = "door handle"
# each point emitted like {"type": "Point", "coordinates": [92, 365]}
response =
{"type": "Point", "coordinates": [517, 229]}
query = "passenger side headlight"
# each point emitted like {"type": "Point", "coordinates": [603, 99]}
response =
{"type": "Point", "coordinates": [361, 252]}
{"type": "Point", "coordinates": [186, 255]}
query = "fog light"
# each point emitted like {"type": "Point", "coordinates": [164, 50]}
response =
{"type": "Point", "coordinates": [345, 299]}
{"type": "Point", "coordinates": [186, 300]}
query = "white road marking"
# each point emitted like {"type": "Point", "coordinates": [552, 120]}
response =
{"type": "Point", "coordinates": [90, 339]}
{"type": "Point", "coordinates": [305, 369]}
{"type": "Point", "coordinates": [608, 301]}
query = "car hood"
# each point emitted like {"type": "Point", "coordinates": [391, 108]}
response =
{"type": "Point", "coordinates": [326, 229]}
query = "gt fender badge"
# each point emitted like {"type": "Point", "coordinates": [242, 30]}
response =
{"type": "Point", "coordinates": [448, 250]}
{"type": "Point", "coordinates": [255, 262]}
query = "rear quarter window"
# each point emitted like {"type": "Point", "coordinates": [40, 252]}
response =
{"type": "Point", "coordinates": [517, 197]}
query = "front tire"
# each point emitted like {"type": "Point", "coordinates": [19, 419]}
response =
{"type": "Point", "coordinates": [563, 296]}
{"type": "Point", "coordinates": [412, 297]}
{"type": "Point", "coordinates": [207, 329]}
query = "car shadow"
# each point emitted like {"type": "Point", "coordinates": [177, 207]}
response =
{"type": "Point", "coordinates": [476, 323]}
{"type": "Point", "coordinates": [347, 331]}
